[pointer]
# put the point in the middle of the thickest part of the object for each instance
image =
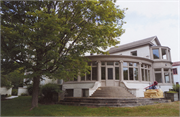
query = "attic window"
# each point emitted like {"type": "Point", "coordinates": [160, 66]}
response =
{"type": "Point", "coordinates": [134, 53]}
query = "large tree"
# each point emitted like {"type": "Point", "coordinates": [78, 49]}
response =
{"type": "Point", "coordinates": [51, 37]}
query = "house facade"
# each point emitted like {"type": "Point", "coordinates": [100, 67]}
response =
{"type": "Point", "coordinates": [133, 66]}
{"type": "Point", "coordinates": [176, 72]}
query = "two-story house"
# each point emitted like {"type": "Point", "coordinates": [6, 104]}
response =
{"type": "Point", "coordinates": [133, 66]}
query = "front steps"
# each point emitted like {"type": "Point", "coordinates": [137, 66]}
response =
{"type": "Point", "coordinates": [119, 92]}
{"type": "Point", "coordinates": [111, 102]}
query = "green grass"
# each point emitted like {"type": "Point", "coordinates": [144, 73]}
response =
{"type": "Point", "coordinates": [20, 107]}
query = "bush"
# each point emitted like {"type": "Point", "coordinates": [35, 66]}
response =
{"type": "Point", "coordinates": [176, 88]}
{"type": "Point", "coordinates": [24, 94]}
{"type": "Point", "coordinates": [50, 92]}
{"type": "Point", "coordinates": [14, 91]}
{"type": "Point", "coordinates": [30, 89]}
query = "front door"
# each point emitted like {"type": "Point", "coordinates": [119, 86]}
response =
{"type": "Point", "coordinates": [110, 76]}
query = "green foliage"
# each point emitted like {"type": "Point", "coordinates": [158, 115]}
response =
{"type": "Point", "coordinates": [20, 107]}
{"type": "Point", "coordinates": [5, 81]}
{"type": "Point", "coordinates": [14, 92]}
{"type": "Point", "coordinates": [172, 92]}
{"type": "Point", "coordinates": [49, 90]}
{"type": "Point", "coordinates": [30, 89]}
{"type": "Point", "coordinates": [176, 88]}
{"type": "Point", "coordinates": [24, 94]}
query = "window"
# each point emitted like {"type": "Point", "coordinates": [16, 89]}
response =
{"type": "Point", "coordinates": [174, 71]}
{"type": "Point", "coordinates": [83, 78]}
{"type": "Point", "coordinates": [142, 73]}
{"type": "Point", "coordinates": [145, 72]}
{"type": "Point", "coordinates": [164, 56]}
{"type": "Point", "coordinates": [117, 73]}
{"type": "Point", "coordinates": [103, 73]}
{"type": "Point", "coordinates": [110, 73]}
{"type": "Point", "coordinates": [125, 73]}
{"type": "Point", "coordinates": [156, 53]}
{"type": "Point", "coordinates": [131, 73]}
{"type": "Point", "coordinates": [158, 77]}
{"type": "Point", "coordinates": [134, 53]}
{"type": "Point", "coordinates": [136, 73]}
{"type": "Point", "coordinates": [166, 77]}
{"type": "Point", "coordinates": [88, 75]}
{"type": "Point", "coordinates": [94, 73]}
{"type": "Point", "coordinates": [110, 63]}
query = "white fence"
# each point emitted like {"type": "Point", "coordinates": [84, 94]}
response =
{"type": "Point", "coordinates": [4, 91]}
{"type": "Point", "coordinates": [22, 90]}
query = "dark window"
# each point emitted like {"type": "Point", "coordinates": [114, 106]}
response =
{"type": "Point", "coordinates": [88, 75]}
{"type": "Point", "coordinates": [117, 73]}
{"type": "Point", "coordinates": [85, 92]}
{"type": "Point", "coordinates": [103, 73]}
{"type": "Point", "coordinates": [125, 73]}
{"type": "Point", "coordinates": [156, 53]}
{"type": "Point", "coordinates": [102, 63]}
{"type": "Point", "coordinates": [116, 63]}
{"type": "Point", "coordinates": [131, 73]}
{"type": "Point", "coordinates": [175, 71]}
{"type": "Point", "coordinates": [110, 73]}
{"type": "Point", "coordinates": [110, 63]}
{"type": "Point", "coordinates": [69, 93]}
{"type": "Point", "coordinates": [134, 53]}
{"type": "Point", "coordinates": [75, 78]}
{"type": "Point", "coordinates": [130, 64]}
{"type": "Point", "coordinates": [94, 63]}
{"type": "Point", "coordinates": [158, 77]}
{"type": "Point", "coordinates": [82, 78]}
{"type": "Point", "coordinates": [157, 69]}
{"type": "Point", "coordinates": [94, 73]}
{"type": "Point", "coordinates": [146, 75]}
{"type": "Point", "coordinates": [136, 73]}
{"type": "Point", "coordinates": [142, 72]}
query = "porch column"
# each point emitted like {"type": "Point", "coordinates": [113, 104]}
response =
{"type": "Point", "coordinates": [162, 74]}
{"type": "Point", "coordinates": [99, 71]}
{"type": "Point", "coordinates": [121, 70]}
{"type": "Point", "coordinates": [139, 72]}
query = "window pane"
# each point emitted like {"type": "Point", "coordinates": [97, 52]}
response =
{"type": "Point", "coordinates": [130, 64]}
{"type": "Point", "coordinates": [166, 69]}
{"type": "Point", "coordinates": [136, 73]}
{"type": "Point", "coordinates": [125, 73]}
{"type": "Point", "coordinates": [124, 63]}
{"type": "Point", "coordinates": [110, 73]}
{"type": "Point", "coordinates": [166, 77]}
{"type": "Point", "coordinates": [88, 75]}
{"type": "Point", "coordinates": [116, 63]}
{"type": "Point", "coordinates": [94, 63]}
{"type": "Point", "coordinates": [175, 71]}
{"type": "Point", "coordinates": [158, 69]}
{"type": "Point", "coordinates": [146, 75]}
{"type": "Point", "coordinates": [131, 73]}
{"type": "Point", "coordinates": [142, 72]}
{"type": "Point", "coordinates": [117, 73]}
{"type": "Point", "coordinates": [135, 64]}
{"type": "Point", "coordinates": [103, 73]}
{"type": "Point", "coordinates": [142, 65]}
{"type": "Point", "coordinates": [102, 63]}
{"type": "Point", "coordinates": [110, 63]}
{"type": "Point", "coordinates": [156, 53]}
{"type": "Point", "coordinates": [158, 77]}
{"type": "Point", "coordinates": [75, 79]}
{"type": "Point", "coordinates": [164, 54]}
{"type": "Point", "coordinates": [134, 53]}
{"type": "Point", "coordinates": [94, 73]}
{"type": "Point", "coordinates": [82, 78]}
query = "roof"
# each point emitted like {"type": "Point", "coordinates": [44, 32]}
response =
{"type": "Point", "coordinates": [176, 63]}
{"type": "Point", "coordinates": [142, 42]}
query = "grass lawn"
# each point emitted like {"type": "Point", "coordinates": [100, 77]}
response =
{"type": "Point", "coordinates": [20, 107]}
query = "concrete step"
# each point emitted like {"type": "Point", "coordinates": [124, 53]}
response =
{"type": "Point", "coordinates": [112, 102]}
{"type": "Point", "coordinates": [111, 92]}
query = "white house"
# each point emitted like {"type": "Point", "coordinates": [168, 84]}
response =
{"type": "Point", "coordinates": [133, 66]}
{"type": "Point", "coordinates": [176, 72]}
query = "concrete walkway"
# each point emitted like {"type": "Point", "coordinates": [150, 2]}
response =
{"type": "Point", "coordinates": [11, 97]}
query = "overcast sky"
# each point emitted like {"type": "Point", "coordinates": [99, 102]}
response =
{"type": "Point", "coordinates": [147, 18]}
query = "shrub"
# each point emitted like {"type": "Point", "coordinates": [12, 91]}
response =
{"type": "Point", "coordinates": [30, 89]}
{"type": "Point", "coordinates": [24, 94]}
{"type": "Point", "coordinates": [50, 91]}
{"type": "Point", "coordinates": [14, 91]}
{"type": "Point", "coordinates": [176, 88]}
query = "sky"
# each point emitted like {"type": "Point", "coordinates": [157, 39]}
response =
{"type": "Point", "coordinates": [147, 18]}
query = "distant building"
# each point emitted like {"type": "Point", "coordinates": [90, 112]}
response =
{"type": "Point", "coordinates": [176, 72]}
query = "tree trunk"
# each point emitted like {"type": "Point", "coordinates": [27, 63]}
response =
{"type": "Point", "coordinates": [36, 81]}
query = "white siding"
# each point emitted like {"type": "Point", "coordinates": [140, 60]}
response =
{"type": "Point", "coordinates": [141, 52]}
{"type": "Point", "coordinates": [177, 76]}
